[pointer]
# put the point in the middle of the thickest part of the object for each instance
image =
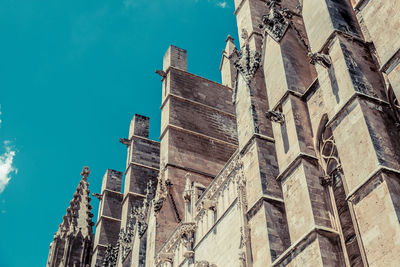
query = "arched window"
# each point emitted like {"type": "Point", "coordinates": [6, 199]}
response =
{"type": "Point", "coordinates": [394, 103]}
{"type": "Point", "coordinates": [329, 160]}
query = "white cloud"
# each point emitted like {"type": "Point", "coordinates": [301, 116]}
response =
{"type": "Point", "coordinates": [222, 4]}
{"type": "Point", "coordinates": [6, 165]}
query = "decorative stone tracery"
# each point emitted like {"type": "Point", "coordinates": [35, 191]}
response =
{"type": "Point", "coordinates": [327, 152]}
{"type": "Point", "coordinates": [394, 103]}
{"type": "Point", "coordinates": [333, 181]}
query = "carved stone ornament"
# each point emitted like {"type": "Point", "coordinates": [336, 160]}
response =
{"type": "Point", "coordinates": [165, 257]}
{"type": "Point", "coordinates": [394, 103]}
{"type": "Point", "coordinates": [161, 193]}
{"type": "Point", "coordinates": [244, 35]}
{"type": "Point", "coordinates": [187, 193]}
{"type": "Point", "coordinates": [85, 172]}
{"type": "Point", "coordinates": [321, 59]}
{"type": "Point", "coordinates": [111, 256]}
{"type": "Point", "coordinates": [275, 116]}
{"type": "Point", "coordinates": [209, 204]}
{"type": "Point", "coordinates": [125, 141]}
{"type": "Point", "coordinates": [158, 204]}
{"type": "Point", "coordinates": [126, 237]}
{"type": "Point", "coordinates": [248, 63]}
{"type": "Point", "coordinates": [188, 254]}
{"type": "Point", "coordinates": [203, 264]}
{"type": "Point", "coordinates": [276, 22]}
{"type": "Point", "coordinates": [186, 233]}
{"type": "Point", "coordinates": [242, 259]}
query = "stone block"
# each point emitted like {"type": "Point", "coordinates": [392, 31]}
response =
{"type": "Point", "coordinates": [293, 136]}
{"type": "Point", "coordinates": [139, 126]}
{"type": "Point", "coordinates": [376, 208]}
{"type": "Point", "coordinates": [175, 57]}
{"type": "Point", "coordinates": [305, 203]}
{"type": "Point", "coordinates": [112, 180]}
{"type": "Point", "coordinates": [382, 21]}
{"type": "Point", "coordinates": [323, 17]}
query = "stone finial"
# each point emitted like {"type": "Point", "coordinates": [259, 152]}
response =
{"type": "Point", "coordinates": [85, 172]}
{"type": "Point", "coordinates": [229, 38]}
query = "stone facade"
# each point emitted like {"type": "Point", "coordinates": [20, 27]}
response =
{"type": "Point", "coordinates": [294, 160]}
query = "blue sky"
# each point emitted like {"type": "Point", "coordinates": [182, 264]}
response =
{"type": "Point", "coordinates": [72, 75]}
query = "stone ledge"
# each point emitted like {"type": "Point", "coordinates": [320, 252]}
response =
{"type": "Point", "coordinates": [288, 170]}
{"type": "Point", "coordinates": [194, 103]}
{"type": "Point", "coordinates": [304, 241]}
{"type": "Point", "coordinates": [258, 204]}
{"type": "Point", "coordinates": [347, 104]}
{"type": "Point", "coordinates": [351, 195]}
{"type": "Point", "coordinates": [177, 128]}
{"type": "Point", "coordinates": [140, 165]}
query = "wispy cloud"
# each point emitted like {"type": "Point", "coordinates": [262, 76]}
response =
{"type": "Point", "coordinates": [6, 165]}
{"type": "Point", "coordinates": [218, 3]}
{"type": "Point", "coordinates": [222, 4]}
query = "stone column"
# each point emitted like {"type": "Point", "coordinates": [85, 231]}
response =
{"type": "Point", "coordinates": [353, 95]}
{"type": "Point", "coordinates": [265, 209]}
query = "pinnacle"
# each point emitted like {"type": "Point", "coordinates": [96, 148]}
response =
{"type": "Point", "coordinates": [229, 38]}
{"type": "Point", "coordinates": [230, 47]}
{"type": "Point", "coordinates": [78, 217]}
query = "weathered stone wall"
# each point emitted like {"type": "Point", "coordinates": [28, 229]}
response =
{"type": "Point", "coordinates": [319, 69]}
{"type": "Point", "coordinates": [142, 169]}
{"type": "Point", "coordinates": [109, 215]}
{"type": "Point", "coordinates": [200, 147]}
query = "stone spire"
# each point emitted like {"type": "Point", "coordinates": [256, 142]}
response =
{"type": "Point", "coordinates": [229, 56]}
{"type": "Point", "coordinates": [230, 46]}
{"type": "Point", "coordinates": [73, 241]}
